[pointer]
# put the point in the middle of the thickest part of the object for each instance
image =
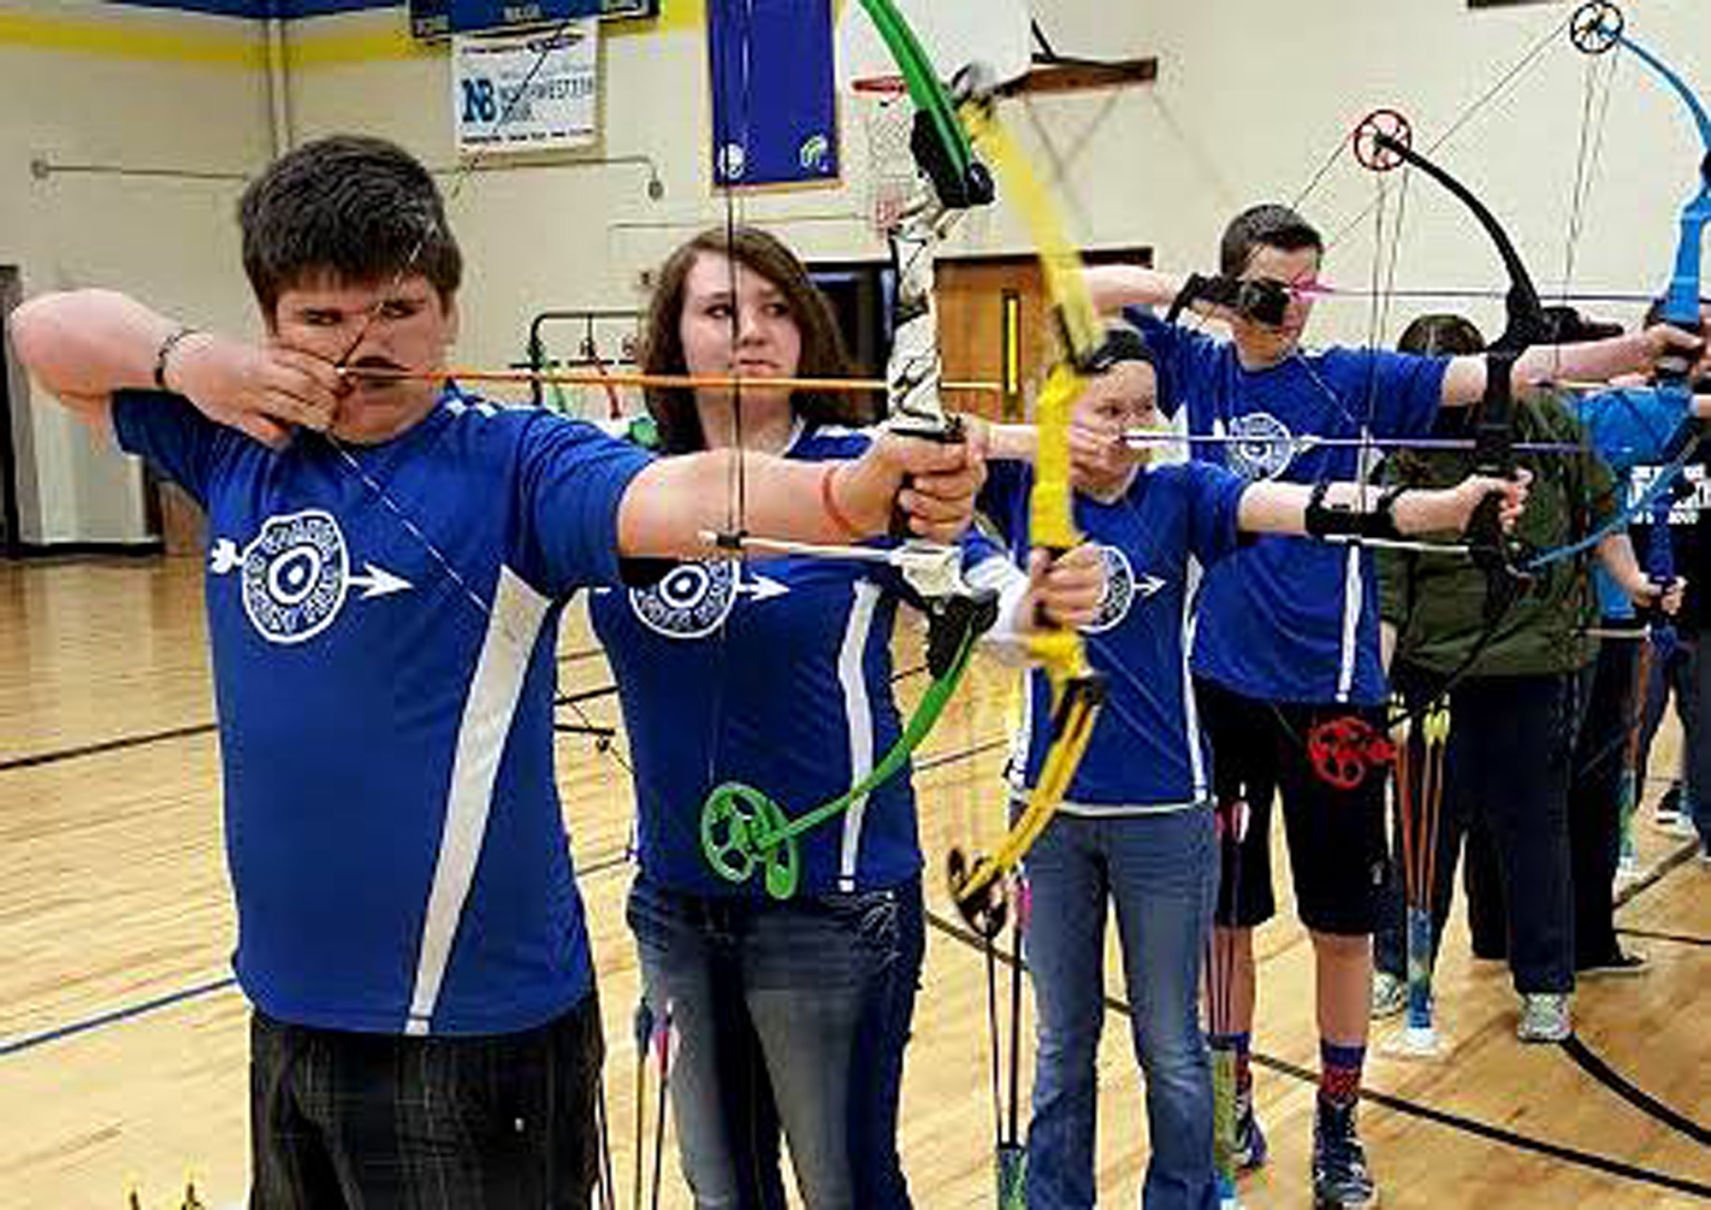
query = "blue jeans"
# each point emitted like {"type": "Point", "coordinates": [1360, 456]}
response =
{"type": "Point", "coordinates": [1161, 872]}
{"type": "Point", "coordinates": [792, 1017]}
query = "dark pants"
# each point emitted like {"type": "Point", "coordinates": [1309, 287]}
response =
{"type": "Point", "coordinates": [1678, 674]}
{"type": "Point", "coordinates": [1699, 752]}
{"type": "Point", "coordinates": [1482, 881]}
{"type": "Point", "coordinates": [381, 1121]}
{"type": "Point", "coordinates": [1594, 801]}
{"type": "Point", "coordinates": [1506, 769]}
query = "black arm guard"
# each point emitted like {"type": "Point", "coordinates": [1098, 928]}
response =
{"type": "Point", "coordinates": [1329, 521]}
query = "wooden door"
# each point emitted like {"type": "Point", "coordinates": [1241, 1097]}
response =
{"type": "Point", "coordinates": [995, 325]}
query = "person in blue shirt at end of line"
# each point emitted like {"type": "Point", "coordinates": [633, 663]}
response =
{"type": "Point", "coordinates": [1287, 640]}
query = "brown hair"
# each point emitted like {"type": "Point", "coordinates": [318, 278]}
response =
{"type": "Point", "coordinates": [358, 209]}
{"type": "Point", "coordinates": [1267, 225]}
{"type": "Point", "coordinates": [823, 355]}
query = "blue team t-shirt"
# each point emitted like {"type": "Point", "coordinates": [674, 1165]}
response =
{"type": "Point", "coordinates": [1630, 429]}
{"type": "Point", "coordinates": [1291, 619]}
{"type": "Point", "coordinates": [1147, 753]}
{"type": "Point", "coordinates": [776, 673]}
{"type": "Point", "coordinates": [396, 848]}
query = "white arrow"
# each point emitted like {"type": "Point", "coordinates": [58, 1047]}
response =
{"type": "Point", "coordinates": [762, 588]}
{"type": "Point", "coordinates": [378, 582]}
{"type": "Point", "coordinates": [1149, 585]}
{"type": "Point", "coordinates": [224, 557]}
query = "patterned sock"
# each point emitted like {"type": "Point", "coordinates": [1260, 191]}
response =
{"type": "Point", "coordinates": [1237, 1044]}
{"type": "Point", "coordinates": [1339, 1074]}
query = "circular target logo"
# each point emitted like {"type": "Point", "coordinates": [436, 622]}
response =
{"type": "Point", "coordinates": [1119, 591]}
{"type": "Point", "coordinates": [733, 161]}
{"type": "Point", "coordinates": [294, 576]}
{"type": "Point", "coordinates": [1261, 446]}
{"type": "Point", "coordinates": [815, 152]}
{"type": "Point", "coordinates": [691, 602]}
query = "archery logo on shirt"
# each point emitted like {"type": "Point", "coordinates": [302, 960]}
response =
{"type": "Point", "coordinates": [1122, 586]}
{"type": "Point", "coordinates": [295, 575]}
{"type": "Point", "coordinates": [1260, 447]}
{"type": "Point", "coordinates": [694, 599]}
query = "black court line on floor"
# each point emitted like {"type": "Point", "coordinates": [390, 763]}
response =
{"type": "Point", "coordinates": [127, 1013]}
{"type": "Point", "coordinates": [145, 1007]}
{"type": "Point", "coordinates": [1593, 1064]}
{"type": "Point", "coordinates": [144, 738]}
{"type": "Point", "coordinates": [596, 866]}
{"type": "Point", "coordinates": [139, 740]}
{"type": "Point", "coordinates": [1454, 1121]}
{"type": "Point", "coordinates": [1671, 862]}
{"type": "Point", "coordinates": [1675, 938]}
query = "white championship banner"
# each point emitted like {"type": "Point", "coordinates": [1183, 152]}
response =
{"type": "Point", "coordinates": [510, 97]}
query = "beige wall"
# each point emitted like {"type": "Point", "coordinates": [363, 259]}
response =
{"type": "Point", "coordinates": [83, 84]}
{"type": "Point", "coordinates": [1252, 96]}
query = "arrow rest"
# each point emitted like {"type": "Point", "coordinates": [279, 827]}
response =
{"type": "Point", "coordinates": [953, 622]}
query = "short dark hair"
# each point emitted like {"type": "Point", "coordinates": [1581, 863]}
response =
{"type": "Point", "coordinates": [1123, 342]}
{"type": "Point", "coordinates": [823, 354]}
{"type": "Point", "coordinates": [351, 207]}
{"type": "Point", "coordinates": [1441, 334]}
{"type": "Point", "coordinates": [1268, 225]}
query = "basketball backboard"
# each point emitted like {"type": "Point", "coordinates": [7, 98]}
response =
{"type": "Point", "coordinates": [954, 33]}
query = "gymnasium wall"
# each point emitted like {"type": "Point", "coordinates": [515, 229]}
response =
{"type": "Point", "coordinates": [1252, 97]}
{"type": "Point", "coordinates": [96, 84]}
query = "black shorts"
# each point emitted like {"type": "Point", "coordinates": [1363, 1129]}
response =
{"type": "Point", "coordinates": [461, 1123]}
{"type": "Point", "coordinates": [1336, 837]}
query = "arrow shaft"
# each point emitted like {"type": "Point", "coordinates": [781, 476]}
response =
{"type": "Point", "coordinates": [654, 381]}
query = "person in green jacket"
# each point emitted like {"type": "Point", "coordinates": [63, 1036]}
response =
{"type": "Point", "coordinates": [1510, 676]}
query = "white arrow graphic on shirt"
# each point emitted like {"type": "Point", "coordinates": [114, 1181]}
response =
{"type": "Point", "coordinates": [224, 557]}
{"type": "Point", "coordinates": [378, 582]}
{"type": "Point", "coordinates": [759, 587]}
{"type": "Point", "coordinates": [762, 588]}
{"type": "Point", "coordinates": [1149, 585]}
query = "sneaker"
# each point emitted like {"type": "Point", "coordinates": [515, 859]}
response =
{"type": "Point", "coordinates": [1544, 1017]}
{"type": "Point", "coordinates": [1615, 966]}
{"type": "Point", "coordinates": [1668, 812]}
{"type": "Point", "coordinates": [1340, 1177]}
{"type": "Point", "coordinates": [1389, 995]}
{"type": "Point", "coordinates": [1248, 1151]}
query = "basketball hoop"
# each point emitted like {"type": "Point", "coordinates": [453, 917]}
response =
{"type": "Point", "coordinates": [887, 118]}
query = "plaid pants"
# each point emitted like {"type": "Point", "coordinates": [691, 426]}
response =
{"type": "Point", "coordinates": [346, 1121]}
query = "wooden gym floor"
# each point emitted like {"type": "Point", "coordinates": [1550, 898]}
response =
{"type": "Point", "coordinates": [122, 1038]}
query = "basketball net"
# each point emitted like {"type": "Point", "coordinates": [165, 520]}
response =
{"type": "Point", "coordinates": [887, 119]}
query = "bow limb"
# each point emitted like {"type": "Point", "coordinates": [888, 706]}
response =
{"type": "Point", "coordinates": [1077, 691]}
{"type": "Point", "coordinates": [1596, 28]}
{"type": "Point", "coordinates": [742, 830]}
{"type": "Point", "coordinates": [1383, 140]}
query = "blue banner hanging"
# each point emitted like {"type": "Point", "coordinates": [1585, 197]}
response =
{"type": "Point", "coordinates": [437, 18]}
{"type": "Point", "coordinates": [775, 112]}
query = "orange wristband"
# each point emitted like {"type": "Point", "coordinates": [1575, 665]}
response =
{"type": "Point", "coordinates": [830, 505]}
